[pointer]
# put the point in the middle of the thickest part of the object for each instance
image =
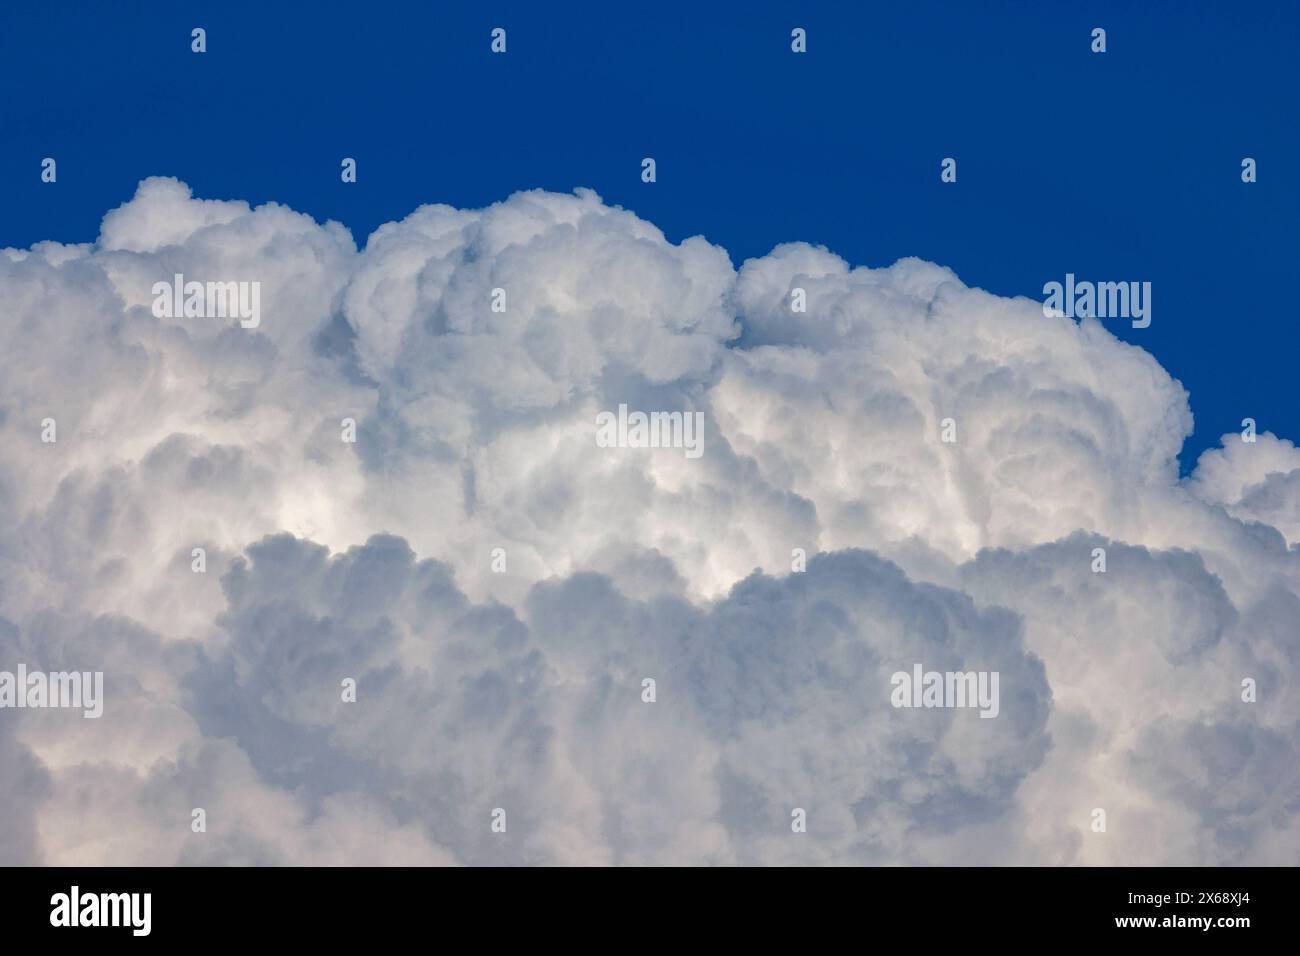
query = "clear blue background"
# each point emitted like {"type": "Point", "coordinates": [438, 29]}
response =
{"type": "Point", "coordinates": [1117, 166]}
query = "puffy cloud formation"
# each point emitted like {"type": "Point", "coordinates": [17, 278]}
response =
{"type": "Point", "coordinates": [501, 588]}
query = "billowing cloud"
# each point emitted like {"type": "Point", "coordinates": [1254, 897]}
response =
{"type": "Point", "coordinates": [635, 654]}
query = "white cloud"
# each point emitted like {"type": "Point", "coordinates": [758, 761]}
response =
{"type": "Point", "coordinates": [522, 690]}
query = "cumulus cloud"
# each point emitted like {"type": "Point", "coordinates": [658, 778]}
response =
{"type": "Point", "coordinates": [501, 588]}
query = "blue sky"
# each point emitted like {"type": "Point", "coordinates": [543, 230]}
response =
{"type": "Point", "coordinates": [1122, 166]}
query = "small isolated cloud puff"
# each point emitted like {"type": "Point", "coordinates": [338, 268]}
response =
{"type": "Point", "coordinates": [394, 480]}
